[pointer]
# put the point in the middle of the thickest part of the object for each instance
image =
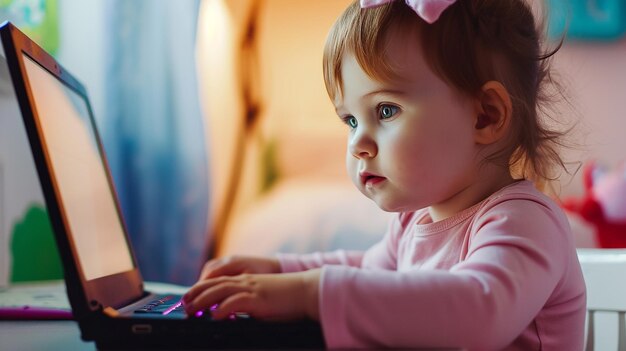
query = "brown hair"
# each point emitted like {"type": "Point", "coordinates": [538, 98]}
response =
{"type": "Point", "coordinates": [473, 42]}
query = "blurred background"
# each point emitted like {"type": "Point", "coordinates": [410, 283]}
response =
{"type": "Point", "coordinates": [220, 135]}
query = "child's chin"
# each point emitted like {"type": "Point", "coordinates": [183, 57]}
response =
{"type": "Point", "coordinates": [382, 203]}
{"type": "Point", "coordinates": [386, 206]}
{"type": "Point", "coordinates": [393, 206]}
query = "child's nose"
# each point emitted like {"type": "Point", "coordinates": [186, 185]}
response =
{"type": "Point", "coordinates": [362, 145]}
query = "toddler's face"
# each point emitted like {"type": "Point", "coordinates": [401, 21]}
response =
{"type": "Point", "coordinates": [410, 142]}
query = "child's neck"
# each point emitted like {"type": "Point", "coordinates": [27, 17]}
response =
{"type": "Point", "coordinates": [486, 183]}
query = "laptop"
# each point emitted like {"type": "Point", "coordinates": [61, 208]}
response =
{"type": "Point", "coordinates": [103, 282]}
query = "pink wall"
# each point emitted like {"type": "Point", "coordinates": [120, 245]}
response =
{"type": "Point", "coordinates": [595, 73]}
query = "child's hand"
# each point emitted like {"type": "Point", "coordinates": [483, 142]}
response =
{"type": "Point", "coordinates": [286, 296]}
{"type": "Point", "coordinates": [235, 265]}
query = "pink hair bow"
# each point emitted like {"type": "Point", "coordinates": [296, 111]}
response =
{"type": "Point", "coordinates": [428, 10]}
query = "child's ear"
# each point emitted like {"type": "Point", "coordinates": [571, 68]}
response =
{"type": "Point", "coordinates": [493, 113]}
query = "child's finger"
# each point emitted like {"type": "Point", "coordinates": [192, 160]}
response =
{"type": "Point", "coordinates": [201, 286]}
{"type": "Point", "coordinates": [211, 266]}
{"type": "Point", "coordinates": [240, 302]}
{"type": "Point", "coordinates": [221, 267]}
{"type": "Point", "coordinates": [231, 267]}
{"type": "Point", "coordinates": [208, 267]}
{"type": "Point", "coordinates": [214, 295]}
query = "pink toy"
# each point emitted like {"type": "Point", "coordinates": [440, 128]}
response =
{"type": "Point", "coordinates": [604, 204]}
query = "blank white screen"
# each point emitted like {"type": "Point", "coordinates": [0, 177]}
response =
{"type": "Point", "coordinates": [80, 176]}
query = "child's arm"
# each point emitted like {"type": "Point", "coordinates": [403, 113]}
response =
{"type": "Point", "coordinates": [519, 261]}
{"type": "Point", "coordinates": [282, 263]}
{"type": "Point", "coordinates": [297, 263]}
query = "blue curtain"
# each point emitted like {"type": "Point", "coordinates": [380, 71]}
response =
{"type": "Point", "coordinates": [154, 134]}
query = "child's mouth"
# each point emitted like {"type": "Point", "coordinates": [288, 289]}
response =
{"type": "Point", "coordinates": [370, 180]}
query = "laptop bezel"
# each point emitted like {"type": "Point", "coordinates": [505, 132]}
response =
{"type": "Point", "coordinates": [86, 296]}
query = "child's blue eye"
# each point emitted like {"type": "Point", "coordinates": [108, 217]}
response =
{"type": "Point", "coordinates": [387, 111]}
{"type": "Point", "coordinates": [351, 122]}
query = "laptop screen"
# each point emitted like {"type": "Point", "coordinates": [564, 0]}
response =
{"type": "Point", "coordinates": [85, 193]}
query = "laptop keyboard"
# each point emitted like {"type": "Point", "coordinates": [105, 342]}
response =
{"type": "Point", "coordinates": [174, 304]}
{"type": "Point", "coordinates": [163, 305]}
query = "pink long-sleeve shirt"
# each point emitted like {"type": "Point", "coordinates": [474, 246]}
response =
{"type": "Point", "coordinates": [502, 274]}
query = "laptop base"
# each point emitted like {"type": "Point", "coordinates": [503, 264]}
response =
{"type": "Point", "coordinates": [134, 333]}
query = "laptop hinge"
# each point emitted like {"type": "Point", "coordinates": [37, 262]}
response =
{"type": "Point", "coordinates": [111, 312]}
